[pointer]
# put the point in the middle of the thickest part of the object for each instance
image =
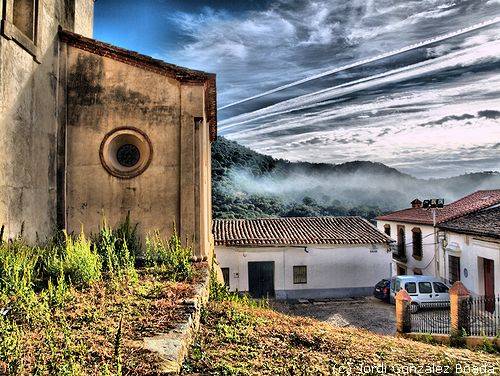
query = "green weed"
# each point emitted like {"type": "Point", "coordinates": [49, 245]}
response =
{"type": "Point", "coordinates": [117, 260]}
{"type": "Point", "coordinates": [169, 257]}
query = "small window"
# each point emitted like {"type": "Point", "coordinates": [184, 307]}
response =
{"type": "Point", "coordinates": [24, 17]}
{"type": "Point", "coordinates": [20, 23]}
{"type": "Point", "coordinates": [397, 285]}
{"type": "Point", "coordinates": [424, 288]}
{"type": "Point", "coordinates": [440, 287]}
{"type": "Point", "coordinates": [225, 275]}
{"type": "Point", "coordinates": [417, 243]}
{"type": "Point", "coordinates": [411, 287]}
{"type": "Point", "coordinates": [387, 230]}
{"type": "Point", "coordinates": [300, 274]}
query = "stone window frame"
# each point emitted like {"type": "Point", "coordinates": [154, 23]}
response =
{"type": "Point", "coordinates": [417, 244]}
{"type": "Point", "coordinates": [11, 32]}
{"type": "Point", "coordinates": [299, 274]}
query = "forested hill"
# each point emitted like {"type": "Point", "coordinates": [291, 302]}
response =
{"type": "Point", "coordinates": [247, 184]}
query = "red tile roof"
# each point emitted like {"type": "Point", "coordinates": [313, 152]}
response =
{"type": "Point", "coordinates": [483, 223]}
{"type": "Point", "coordinates": [468, 204]}
{"type": "Point", "coordinates": [145, 62]}
{"type": "Point", "coordinates": [296, 231]}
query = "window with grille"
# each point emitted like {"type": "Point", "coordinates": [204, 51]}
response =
{"type": "Point", "coordinates": [417, 243]}
{"type": "Point", "coordinates": [453, 269]}
{"type": "Point", "coordinates": [401, 241]}
{"type": "Point", "coordinates": [300, 274]}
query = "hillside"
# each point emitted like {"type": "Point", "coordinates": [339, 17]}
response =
{"type": "Point", "coordinates": [235, 339]}
{"type": "Point", "coordinates": [247, 184]}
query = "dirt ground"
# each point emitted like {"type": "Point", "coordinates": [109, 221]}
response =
{"type": "Point", "coordinates": [368, 313]}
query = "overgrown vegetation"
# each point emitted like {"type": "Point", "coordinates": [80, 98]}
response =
{"type": "Point", "coordinates": [169, 257]}
{"type": "Point", "coordinates": [219, 292]}
{"type": "Point", "coordinates": [75, 305]}
{"type": "Point", "coordinates": [237, 339]}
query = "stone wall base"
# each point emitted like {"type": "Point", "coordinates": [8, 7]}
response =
{"type": "Point", "coordinates": [471, 341]}
{"type": "Point", "coordinates": [172, 347]}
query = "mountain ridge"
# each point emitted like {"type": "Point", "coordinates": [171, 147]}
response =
{"type": "Point", "coordinates": [247, 184]}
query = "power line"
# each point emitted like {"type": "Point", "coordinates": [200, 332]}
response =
{"type": "Point", "coordinates": [368, 60]}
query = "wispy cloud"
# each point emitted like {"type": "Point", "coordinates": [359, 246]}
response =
{"type": "Point", "coordinates": [420, 112]}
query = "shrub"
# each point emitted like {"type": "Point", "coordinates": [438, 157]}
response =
{"type": "Point", "coordinates": [10, 347]}
{"type": "Point", "coordinates": [17, 268]}
{"type": "Point", "coordinates": [76, 260]}
{"type": "Point", "coordinates": [18, 276]}
{"type": "Point", "coordinates": [127, 233]}
{"type": "Point", "coordinates": [169, 257]}
{"type": "Point", "coordinates": [116, 258]}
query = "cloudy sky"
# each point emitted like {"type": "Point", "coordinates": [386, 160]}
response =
{"type": "Point", "coordinates": [431, 111]}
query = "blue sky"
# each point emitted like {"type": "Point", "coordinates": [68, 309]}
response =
{"type": "Point", "coordinates": [434, 111]}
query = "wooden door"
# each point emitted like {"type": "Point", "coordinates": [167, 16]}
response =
{"type": "Point", "coordinates": [261, 279]}
{"type": "Point", "coordinates": [489, 285]}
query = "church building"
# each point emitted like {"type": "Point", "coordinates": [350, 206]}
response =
{"type": "Point", "coordinates": [90, 130]}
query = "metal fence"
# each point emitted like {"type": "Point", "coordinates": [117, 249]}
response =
{"type": "Point", "coordinates": [484, 316]}
{"type": "Point", "coordinates": [431, 318]}
{"type": "Point", "coordinates": [481, 317]}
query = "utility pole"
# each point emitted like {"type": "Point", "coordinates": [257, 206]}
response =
{"type": "Point", "coordinates": [433, 204]}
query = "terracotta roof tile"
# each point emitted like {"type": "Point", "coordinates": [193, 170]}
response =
{"type": "Point", "coordinates": [296, 231]}
{"type": "Point", "coordinates": [484, 223]}
{"type": "Point", "coordinates": [476, 201]}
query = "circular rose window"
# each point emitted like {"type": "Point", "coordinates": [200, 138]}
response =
{"type": "Point", "coordinates": [126, 152]}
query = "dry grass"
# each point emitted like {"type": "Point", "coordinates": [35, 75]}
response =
{"type": "Point", "coordinates": [80, 338]}
{"type": "Point", "coordinates": [239, 340]}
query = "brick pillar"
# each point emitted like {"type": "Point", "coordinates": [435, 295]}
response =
{"type": "Point", "coordinates": [459, 309]}
{"type": "Point", "coordinates": [403, 321]}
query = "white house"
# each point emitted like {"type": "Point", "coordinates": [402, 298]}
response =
{"type": "Point", "coordinates": [418, 237]}
{"type": "Point", "coordinates": [293, 258]}
{"type": "Point", "coordinates": [472, 251]}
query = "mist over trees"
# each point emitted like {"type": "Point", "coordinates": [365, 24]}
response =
{"type": "Point", "coordinates": [247, 184]}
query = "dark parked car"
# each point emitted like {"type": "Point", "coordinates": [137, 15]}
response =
{"type": "Point", "coordinates": [382, 290]}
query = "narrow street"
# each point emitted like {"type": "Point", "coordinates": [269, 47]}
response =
{"type": "Point", "coordinates": [367, 313]}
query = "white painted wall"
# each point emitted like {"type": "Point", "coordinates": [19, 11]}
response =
{"type": "Point", "coordinates": [472, 250]}
{"type": "Point", "coordinates": [427, 264]}
{"type": "Point", "coordinates": [331, 272]}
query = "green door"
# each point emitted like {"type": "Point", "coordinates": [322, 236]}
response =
{"type": "Point", "coordinates": [261, 279]}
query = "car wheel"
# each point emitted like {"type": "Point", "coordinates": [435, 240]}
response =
{"type": "Point", "coordinates": [414, 307]}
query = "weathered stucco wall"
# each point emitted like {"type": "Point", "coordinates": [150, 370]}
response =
{"type": "Point", "coordinates": [104, 94]}
{"type": "Point", "coordinates": [332, 271]}
{"type": "Point", "coordinates": [28, 103]}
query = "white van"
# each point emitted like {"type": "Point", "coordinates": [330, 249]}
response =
{"type": "Point", "coordinates": [423, 289]}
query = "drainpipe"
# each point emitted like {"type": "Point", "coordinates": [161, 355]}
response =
{"type": "Point", "coordinates": [436, 245]}
{"type": "Point", "coordinates": [284, 274]}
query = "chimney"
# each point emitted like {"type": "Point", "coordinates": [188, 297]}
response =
{"type": "Point", "coordinates": [416, 203]}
